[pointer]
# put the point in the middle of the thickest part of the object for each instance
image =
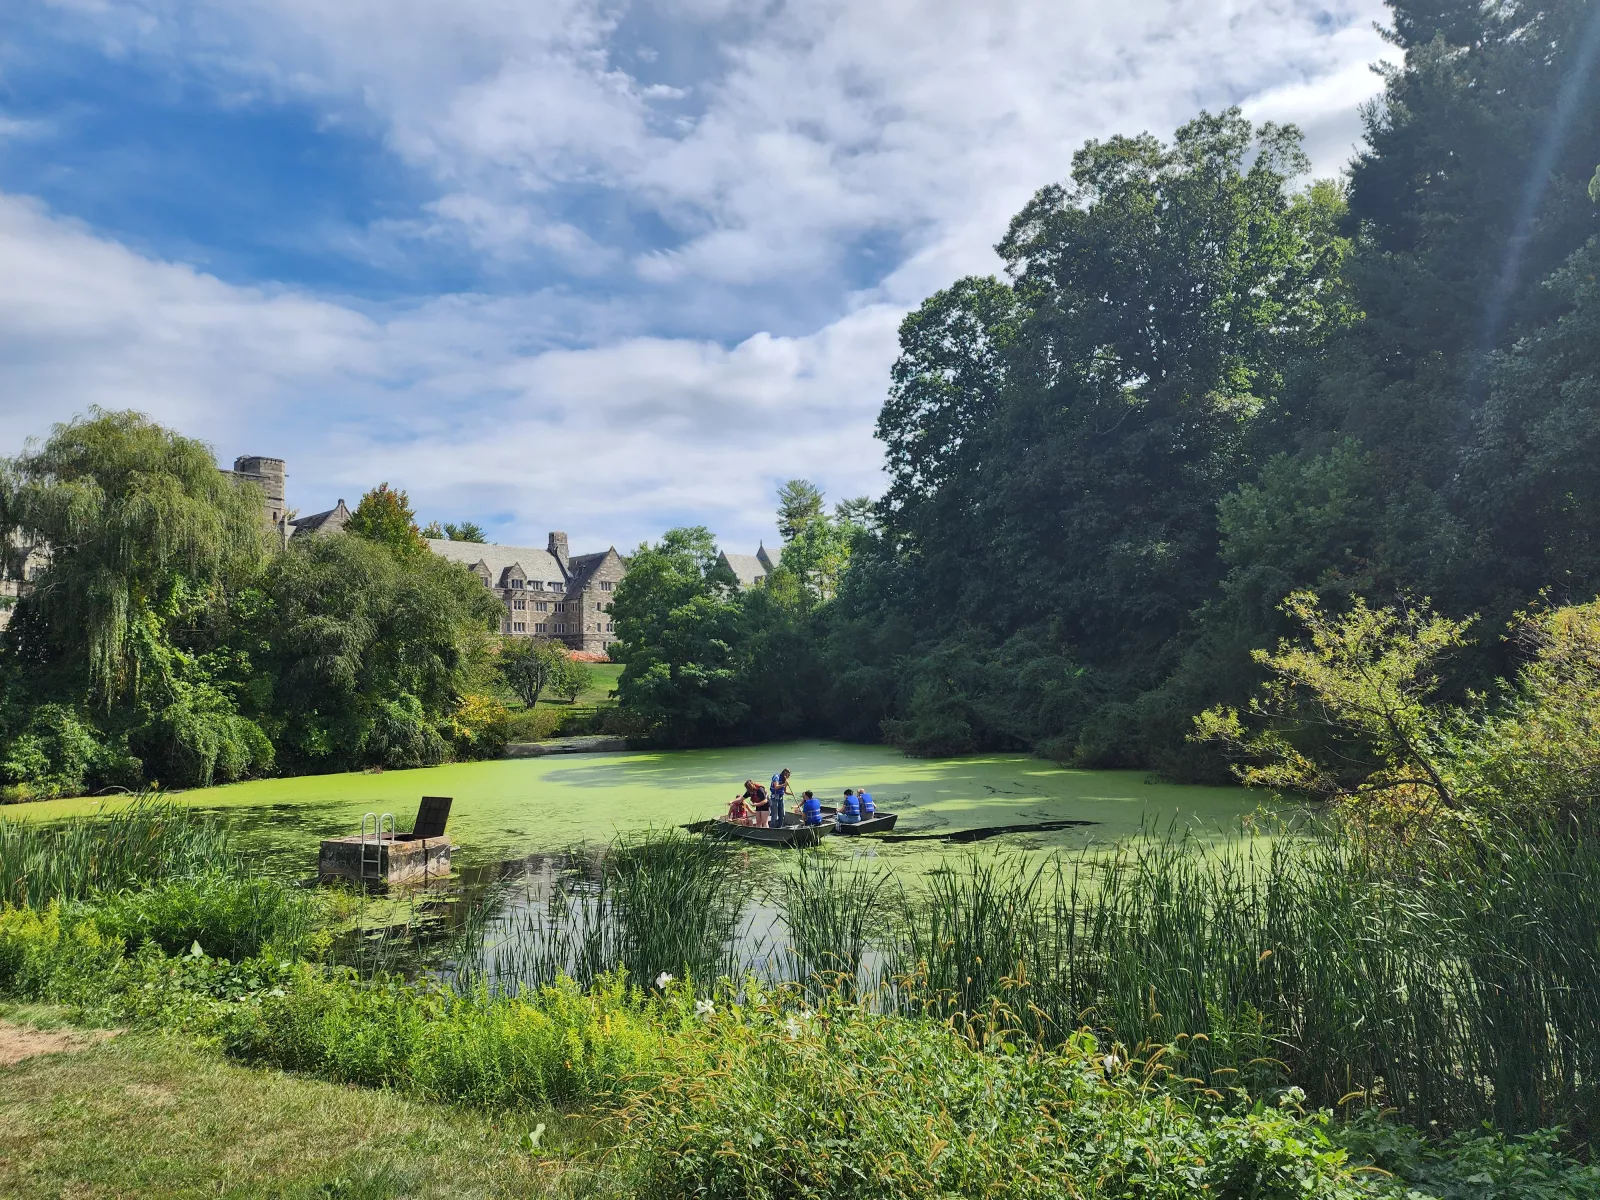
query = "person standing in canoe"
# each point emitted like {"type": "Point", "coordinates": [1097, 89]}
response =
{"type": "Point", "coordinates": [850, 810]}
{"type": "Point", "coordinates": [780, 790]}
{"type": "Point", "coordinates": [754, 798]}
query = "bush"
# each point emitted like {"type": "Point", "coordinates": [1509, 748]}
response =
{"type": "Point", "coordinates": [845, 1103]}
{"type": "Point", "coordinates": [479, 727]}
{"type": "Point", "coordinates": [401, 736]}
{"type": "Point", "coordinates": [555, 1045]}
{"type": "Point", "coordinates": [533, 724]}
{"type": "Point", "coordinates": [52, 755]}
{"type": "Point", "coordinates": [227, 917]}
{"type": "Point", "coordinates": [50, 955]}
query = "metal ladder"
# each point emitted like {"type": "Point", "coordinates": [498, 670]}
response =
{"type": "Point", "coordinates": [376, 858]}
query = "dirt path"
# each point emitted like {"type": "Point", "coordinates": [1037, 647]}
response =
{"type": "Point", "coordinates": [18, 1042]}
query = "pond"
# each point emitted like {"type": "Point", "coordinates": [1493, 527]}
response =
{"type": "Point", "coordinates": [512, 809]}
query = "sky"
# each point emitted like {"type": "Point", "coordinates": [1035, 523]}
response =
{"type": "Point", "coordinates": [564, 264]}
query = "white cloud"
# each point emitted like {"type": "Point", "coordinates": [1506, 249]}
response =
{"type": "Point", "coordinates": [444, 398]}
{"type": "Point", "coordinates": [834, 157]}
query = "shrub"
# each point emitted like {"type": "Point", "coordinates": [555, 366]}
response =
{"type": "Point", "coordinates": [479, 727]}
{"type": "Point", "coordinates": [401, 736]}
{"type": "Point", "coordinates": [533, 724]}
{"type": "Point", "coordinates": [228, 917]}
{"type": "Point", "coordinates": [52, 754]}
{"type": "Point", "coordinates": [555, 1045]}
{"type": "Point", "coordinates": [845, 1103]}
{"type": "Point", "coordinates": [49, 955]}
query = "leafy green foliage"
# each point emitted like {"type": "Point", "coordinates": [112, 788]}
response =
{"type": "Point", "coordinates": [1353, 716]}
{"type": "Point", "coordinates": [384, 516]}
{"type": "Point", "coordinates": [466, 531]}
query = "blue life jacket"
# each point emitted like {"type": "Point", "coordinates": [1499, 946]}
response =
{"type": "Point", "coordinates": [851, 811]}
{"type": "Point", "coordinates": [865, 800]}
{"type": "Point", "coordinates": [812, 810]}
{"type": "Point", "coordinates": [779, 787]}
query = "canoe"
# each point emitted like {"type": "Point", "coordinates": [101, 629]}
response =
{"type": "Point", "coordinates": [794, 832]}
{"type": "Point", "coordinates": [878, 822]}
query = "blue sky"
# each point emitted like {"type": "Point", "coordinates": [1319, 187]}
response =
{"type": "Point", "coordinates": [605, 267]}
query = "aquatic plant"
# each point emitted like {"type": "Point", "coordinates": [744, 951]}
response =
{"type": "Point", "coordinates": [152, 838]}
{"type": "Point", "coordinates": [834, 915]}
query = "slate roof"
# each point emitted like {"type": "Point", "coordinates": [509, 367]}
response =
{"type": "Point", "coordinates": [747, 568]}
{"type": "Point", "coordinates": [332, 521]}
{"type": "Point", "coordinates": [536, 562]}
{"type": "Point", "coordinates": [769, 558]}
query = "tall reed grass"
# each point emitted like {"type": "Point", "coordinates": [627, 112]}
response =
{"type": "Point", "coordinates": [1466, 992]}
{"type": "Point", "coordinates": [650, 903]}
{"type": "Point", "coordinates": [149, 840]}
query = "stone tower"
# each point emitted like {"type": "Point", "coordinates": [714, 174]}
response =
{"type": "Point", "coordinates": [558, 548]}
{"type": "Point", "coordinates": [268, 474]}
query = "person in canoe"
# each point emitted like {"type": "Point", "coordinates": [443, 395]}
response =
{"type": "Point", "coordinates": [780, 791]}
{"type": "Point", "coordinates": [850, 810]}
{"type": "Point", "coordinates": [751, 803]}
{"type": "Point", "coordinates": [810, 809]}
{"type": "Point", "coordinates": [864, 800]}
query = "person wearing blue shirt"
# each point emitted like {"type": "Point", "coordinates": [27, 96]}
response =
{"type": "Point", "coordinates": [864, 799]}
{"type": "Point", "coordinates": [850, 812]}
{"type": "Point", "coordinates": [777, 793]}
{"type": "Point", "coordinates": [810, 809]}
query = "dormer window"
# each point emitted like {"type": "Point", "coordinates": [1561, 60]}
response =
{"type": "Point", "coordinates": [558, 587]}
{"type": "Point", "coordinates": [536, 585]}
{"type": "Point", "coordinates": [517, 584]}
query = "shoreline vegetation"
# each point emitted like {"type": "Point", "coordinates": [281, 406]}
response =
{"type": "Point", "coordinates": [1176, 1019]}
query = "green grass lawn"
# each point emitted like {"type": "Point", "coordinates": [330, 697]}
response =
{"type": "Point", "coordinates": [604, 680]}
{"type": "Point", "coordinates": [159, 1115]}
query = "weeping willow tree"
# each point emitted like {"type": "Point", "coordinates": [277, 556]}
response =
{"type": "Point", "coordinates": [146, 541]}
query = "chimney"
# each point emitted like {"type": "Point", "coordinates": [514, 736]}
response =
{"type": "Point", "coordinates": [558, 548]}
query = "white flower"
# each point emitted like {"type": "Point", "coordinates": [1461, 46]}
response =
{"type": "Point", "coordinates": [704, 1008]}
{"type": "Point", "coordinates": [1290, 1096]}
{"type": "Point", "coordinates": [791, 1027]}
{"type": "Point", "coordinates": [1111, 1063]}
{"type": "Point", "coordinates": [663, 979]}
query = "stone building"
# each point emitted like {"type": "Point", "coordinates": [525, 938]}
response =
{"type": "Point", "coordinates": [547, 593]}
{"type": "Point", "coordinates": [21, 562]}
{"type": "Point", "coordinates": [751, 570]}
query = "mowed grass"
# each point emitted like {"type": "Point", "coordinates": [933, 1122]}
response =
{"type": "Point", "coordinates": [157, 1115]}
{"type": "Point", "coordinates": [602, 682]}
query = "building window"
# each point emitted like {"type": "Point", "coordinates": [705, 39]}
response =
{"type": "Point", "coordinates": [558, 587]}
{"type": "Point", "coordinates": [535, 585]}
{"type": "Point", "coordinates": [517, 583]}
{"type": "Point", "coordinates": [599, 607]}
{"type": "Point", "coordinates": [541, 606]}
{"type": "Point", "coordinates": [605, 585]}
{"type": "Point", "coordinates": [561, 606]}
{"type": "Point", "coordinates": [541, 627]}
{"type": "Point", "coordinates": [560, 628]}
{"type": "Point", "coordinates": [519, 626]}
{"type": "Point", "coordinates": [519, 603]}
{"type": "Point", "coordinates": [611, 627]}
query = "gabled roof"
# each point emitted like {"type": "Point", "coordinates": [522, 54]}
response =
{"type": "Point", "coordinates": [332, 521]}
{"type": "Point", "coordinates": [746, 568]}
{"type": "Point", "coordinates": [536, 562]}
{"type": "Point", "coordinates": [769, 558]}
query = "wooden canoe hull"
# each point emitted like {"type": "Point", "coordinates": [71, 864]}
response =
{"type": "Point", "coordinates": [793, 833]}
{"type": "Point", "coordinates": [880, 822]}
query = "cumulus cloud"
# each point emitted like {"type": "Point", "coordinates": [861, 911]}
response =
{"type": "Point", "coordinates": [729, 204]}
{"type": "Point", "coordinates": [444, 397]}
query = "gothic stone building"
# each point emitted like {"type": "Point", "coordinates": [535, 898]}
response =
{"type": "Point", "coordinates": [546, 593]}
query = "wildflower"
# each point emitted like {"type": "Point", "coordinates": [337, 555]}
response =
{"type": "Point", "coordinates": [663, 979]}
{"type": "Point", "coordinates": [704, 1008]}
{"type": "Point", "coordinates": [791, 1027]}
{"type": "Point", "coordinates": [1112, 1062]}
{"type": "Point", "coordinates": [1290, 1096]}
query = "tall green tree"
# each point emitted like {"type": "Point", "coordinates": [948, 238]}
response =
{"type": "Point", "coordinates": [679, 637]}
{"type": "Point", "coordinates": [384, 516]}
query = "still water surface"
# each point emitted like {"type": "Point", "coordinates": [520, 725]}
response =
{"type": "Point", "coordinates": [511, 809]}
